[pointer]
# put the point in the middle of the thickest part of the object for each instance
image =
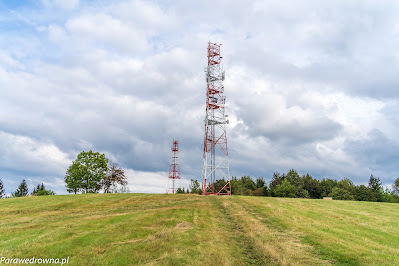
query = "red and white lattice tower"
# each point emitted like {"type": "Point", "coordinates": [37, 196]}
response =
{"type": "Point", "coordinates": [215, 160]}
{"type": "Point", "coordinates": [174, 169]}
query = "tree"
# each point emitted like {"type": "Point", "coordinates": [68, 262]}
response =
{"type": "Point", "coordinates": [248, 183]}
{"type": "Point", "coordinates": [115, 176]}
{"type": "Point", "coordinates": [22, 190]}
{"type": "Point", "coordinates": [265, 191]}
{"type": "Point", "coordinates": [327, 185]}
{"type": "Point", "coordinates": [35, 190]}
{"type": "Point", "coordinates": [294, 178]}
{"type": "Point", "coordinates": [86, 172]}
{"type": "Point", "coordinates": [395, 187]}
{"type": "Point", "coordinates": [2, 192]}
{"type": "Point", "coordinates": [375, 183]}
{"type": "Point", "coordinates": [243, 186]}
{"type": "Point", "coordinates": [285, 189]}
{"type": "Point", "coordinates": [301, 193]}
{"type": "Point", "coordinates": [376, 186]}
{"type": "Point", "coordinates": [347, 184]}
{"type": "Point", "coordinates": [345, 190]}
{"type": "Point", "coordinates": [313, 187]}
{"type": "Point", "coordinates": [389, 196]}
{"type": "Point", "coordinates": [364, 193]}
{"type": "Point", "coordinates": [40, 190]}
{"type": "Point", "coordinates": [339, 193]}
{"type": "Point", "coordinates": [260, 182]}
{"type": "Point", "coordinates": [298, 182]}
{"type": "Point", "coordinates": [277, 179]}
{"type": "Point", "coordinates": [121, 189]}
{"type": "Point", "coordinates": [258, 192]}
{"type": "Point", "coordinates": [236, 186]}
{"type": "Point", "coordinates": [180, 190]}
{"type": "Point", "coordinates": [195, 187]}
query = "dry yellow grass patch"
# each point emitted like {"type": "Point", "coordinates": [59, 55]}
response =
{"type": "Point", "coordinates": [277, 247]}
{"type": "Point", "coordinates": [184, 226]}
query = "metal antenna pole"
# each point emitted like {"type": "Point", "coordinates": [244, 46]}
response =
{"type": "Point", "coordinates": [215, 159]}
{"type": "Point", "coordinates": [174, 168]}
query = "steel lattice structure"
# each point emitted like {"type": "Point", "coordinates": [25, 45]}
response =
{"type": "Point", "coordinates": [174, 168]}
{"type": "Point", "coordinates": [215, 159]}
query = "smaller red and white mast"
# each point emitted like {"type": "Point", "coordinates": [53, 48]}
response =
{"type": "Point", "coordinates": [174, 169]}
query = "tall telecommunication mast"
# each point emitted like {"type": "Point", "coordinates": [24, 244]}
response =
{"type": "Point", "coordinates": [174, 169]}
{"type": "Point", "coordinates": [215, 159]}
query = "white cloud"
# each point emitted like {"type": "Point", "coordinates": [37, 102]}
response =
{"type": "Point", "coordinates": [25, 153]}
{"type": "Point", "coordinates": [103, 29]}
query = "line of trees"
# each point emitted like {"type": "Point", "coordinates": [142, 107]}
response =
{"type": "Point", "coordinates": [23, 190]}
{"type": "Point", "coordinates": [40, 190]}
{"type": "Point", "coordinates": [292, 185]}
{"type": "Point", "coordinates": [91, 172]}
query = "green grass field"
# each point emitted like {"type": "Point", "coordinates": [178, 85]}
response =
{"type": "Point", "coordinates": [98, 229]}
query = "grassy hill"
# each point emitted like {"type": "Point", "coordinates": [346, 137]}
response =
{"type": "Point", "coordinates": [192, 229]}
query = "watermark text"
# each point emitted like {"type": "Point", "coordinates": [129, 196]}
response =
{"type": "Point", "coordinates": [34, 260]}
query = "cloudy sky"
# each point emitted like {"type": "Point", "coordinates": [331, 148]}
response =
{"type": "Point", "coordinates": [310, 85]}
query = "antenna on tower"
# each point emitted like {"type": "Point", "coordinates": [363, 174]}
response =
{"type": "Point", "coordinates": [215, 159]}
{"type": "Point", "coordinates": [174, 169]}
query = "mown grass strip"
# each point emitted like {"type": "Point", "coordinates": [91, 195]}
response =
{"type": "Point", "coordinates": [278, 246]}
{"type": "Point", "coordinates": [355, 233]}
{"type": "Point", "coordinates": [235, 230]}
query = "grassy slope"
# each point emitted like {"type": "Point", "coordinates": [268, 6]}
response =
{"type": "Point", "coordinates": [191, 229]}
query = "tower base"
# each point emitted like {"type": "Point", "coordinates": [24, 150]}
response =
{"type": "Point", "coordinates": [210, 190]}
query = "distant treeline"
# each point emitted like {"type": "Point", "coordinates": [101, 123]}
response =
{"type": "Point", "coordinates": [22, 190]}
{"type": "Point", "coordinates": [292, 185]}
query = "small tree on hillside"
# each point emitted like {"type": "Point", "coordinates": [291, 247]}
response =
{"type": "Point", "coordinates": [260, 182]}
{"type": "Point", "coordinates": [327, 185]}
{"type": "Point", "coordinates": [375, 185]}
{"type": "Point", "coordinates": [313, 187]}
{"type": "Point", "coordinates": [339, 193]}
{"type": "Point", "coordinates": [180, 190]}
{"type": "Point", "coordinates": [277, 179]}
{"type": "Point", "coordinates": [364, 193]}
{"type": "Point", "coordinates": [22, 190]}
{"type": "Point", "coordinates": [395, 187]}
{"type": "Point", "coordinates": [86, 172]}
{"type": "Point", "coordinates": [35, 190]}
{"type": "Point", "coordinates": [115, 176]}
{"type": "Point", "coordinates": [347, 184]}
{"type": "Point", "coordinates": [2, 192]}
{"type": "Point", "coordinates": [285, 189]}
{"type": "Point", "coordinates": [40, 190]}
{"type": "Point", "coordinates": [294, 178]}
{"type": "Point", "coordinates": [195, 187]}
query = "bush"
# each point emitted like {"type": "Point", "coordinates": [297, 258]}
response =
{"type": "Point", "coordinates": [285, 189]}
{"type": "Point", "coordinates": [302, 193]}
{"type": "Point", "coordinates": [364, 193]}
{"type": "Point", "coordinates": [341, 194]}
